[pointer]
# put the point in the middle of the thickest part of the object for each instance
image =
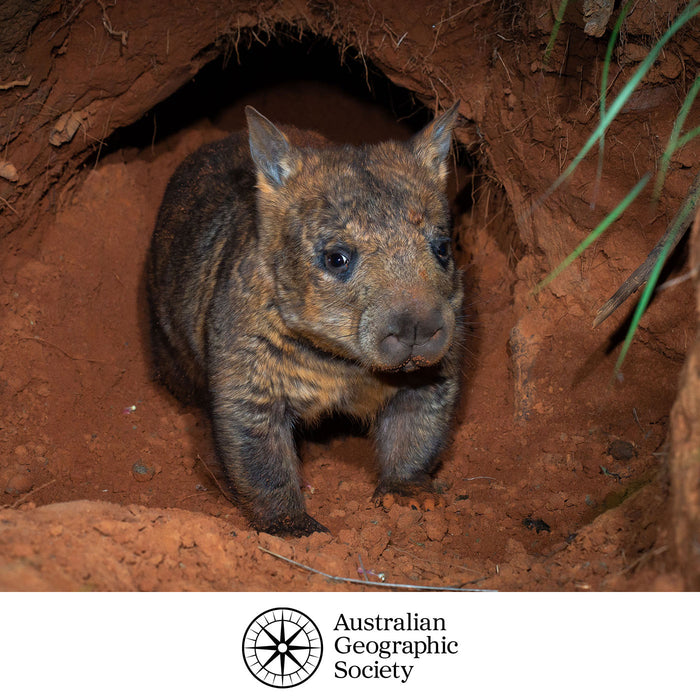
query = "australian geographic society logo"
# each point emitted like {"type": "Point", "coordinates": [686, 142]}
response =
{"type": "Point", "coordinates": [282, 647]}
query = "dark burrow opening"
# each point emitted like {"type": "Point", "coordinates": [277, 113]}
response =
{"type": "Point", "coordinates": [310, 85]}
{"type": "Point", "coordinates": [307, 84]}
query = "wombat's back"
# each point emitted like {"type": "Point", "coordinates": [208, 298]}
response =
{"type": "Point", "coordinates": [195, 229]}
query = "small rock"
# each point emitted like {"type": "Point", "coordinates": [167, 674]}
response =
{"type": "Point", "coordinates": [406, 518]}
{"type": "Point", "coordinates": [142, 472]}
{"type": "Point", "coordinates": [347, 536]}
{"type": "Point", "coordinates": [20, 482]}
{"type": "Point", "coordinates": [621, 450]}
{"type": "Point", "coordinates": [671, 66]}
{"type": "Point", "coordinates": [106, 527]}
{"type": "Point", "coordinates": [375, 539]}
{"type": "Point", "coordinates": [636, 52]}
{"type": "Point", "coordinates": [557, 501]}
{"type": "Point", "coordinates": [276, 544]}
{"type": "Point", "coordinates": [352, 506]}
{"type": "Point", "coordinates": [66, 127]}
{"type": "Point", "coordinates": [8, 171]}
{"type": "Point", "coordinates": [435, 526]}
{"type": "Point", "coordinates": [22, 454]}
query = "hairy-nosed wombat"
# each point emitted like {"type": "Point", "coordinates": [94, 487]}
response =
{"type": "Point", "coordinates": [290, 278]}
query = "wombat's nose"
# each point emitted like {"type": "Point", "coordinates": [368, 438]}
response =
{"type": "Point", "coordinates": [416, 334]}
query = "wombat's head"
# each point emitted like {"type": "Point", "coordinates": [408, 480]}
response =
{"type": "Point", "coordinates": [357, 241]}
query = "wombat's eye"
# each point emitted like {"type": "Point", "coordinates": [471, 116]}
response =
{"type": "Point", "coordinates": [337, 261]}
{"type": "Point", "coordinates": [442, 249]}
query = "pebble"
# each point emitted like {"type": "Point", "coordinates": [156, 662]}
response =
{"type": "Point", "coordinates": [276, 544]}
{"type": "Point", "coordinates": [352, 506]}
{"type": "Point", "coordinates": [621, 450]}
{"type": "Point", "coordinates": [435, 526]}
{"type": "Point", "coordinates": [142, 472]}
{"type": "Point", "coordinates": [375, 539]}
{"type": "Point", "coordinates": [22, 454]}
{"type": "Point", "coordinates": [557, 501]}
{"type": "Point", "coordinates": [671, 66]}
{"type": "Point", "coordinates": [19, 481]}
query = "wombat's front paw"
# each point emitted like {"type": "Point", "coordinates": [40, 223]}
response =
{"type": "Point", "coordinates": [300, 525]}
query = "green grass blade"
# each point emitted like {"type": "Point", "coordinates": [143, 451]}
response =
{"type": "Point", "coordinates": [690, 204]}
{"type": "Point", "coordinates": [674, 140]}
{"type": "Point", "coordinates": [691, 10]}
{"type": "Point", "coordinates": [690, 135]}
{"type": "Point", "coordinates": [597, 231]}
{"type": "Point", "coordinates": [604, 89]}
{"type": "Point", "coordinates": [555, 30]}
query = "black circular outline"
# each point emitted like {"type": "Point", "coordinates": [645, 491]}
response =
{"type": "Point", "coordinates": [278, 609]}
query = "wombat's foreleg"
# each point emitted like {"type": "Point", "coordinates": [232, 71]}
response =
{"type": "Point", "coordinates": [410, 433]}
{"type": "Point", "coordinates": [256, 447]}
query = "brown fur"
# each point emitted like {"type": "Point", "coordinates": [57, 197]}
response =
{"type": "Point", "coordinates": [289, 279]}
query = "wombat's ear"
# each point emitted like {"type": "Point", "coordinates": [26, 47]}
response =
{"type": "Point", "coordinates": [432, 144]}
{"type": "Point", "coordinates": [274, 156]}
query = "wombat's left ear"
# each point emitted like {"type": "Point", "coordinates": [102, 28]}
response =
{"type": "Point", "coordinates": [275, 158]}
{"type": "Point", "coordinates": [432, 144]}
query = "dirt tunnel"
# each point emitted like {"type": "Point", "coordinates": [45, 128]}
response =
{"type": "Point", "coordinates": [554, 479]}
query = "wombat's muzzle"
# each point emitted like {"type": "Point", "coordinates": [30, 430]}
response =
{"type": "Point", "coordinates": [414, 336]}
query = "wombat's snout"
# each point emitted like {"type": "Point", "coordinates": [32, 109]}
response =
{"type": "Point", "coordinates": [413, 335]}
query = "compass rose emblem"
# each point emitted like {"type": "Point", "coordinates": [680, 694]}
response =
{"type": "Point", "coordinates": [282, 647]}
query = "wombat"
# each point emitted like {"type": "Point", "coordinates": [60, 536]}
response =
{"type": "Point", "coordinates": [289, 278]}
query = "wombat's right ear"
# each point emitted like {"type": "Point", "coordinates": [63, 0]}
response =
{"type": "Point", "coordinates": [432, 145]}
{"type": "Point", "coordinates": [274, 156]}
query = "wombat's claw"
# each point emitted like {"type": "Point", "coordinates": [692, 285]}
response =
{"type": "Point", "coordinates": [402, 488]}
{"type": "Point", "coordinates": [293, 526]}
{"type": "Point", "coordinates": [417, 494]}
